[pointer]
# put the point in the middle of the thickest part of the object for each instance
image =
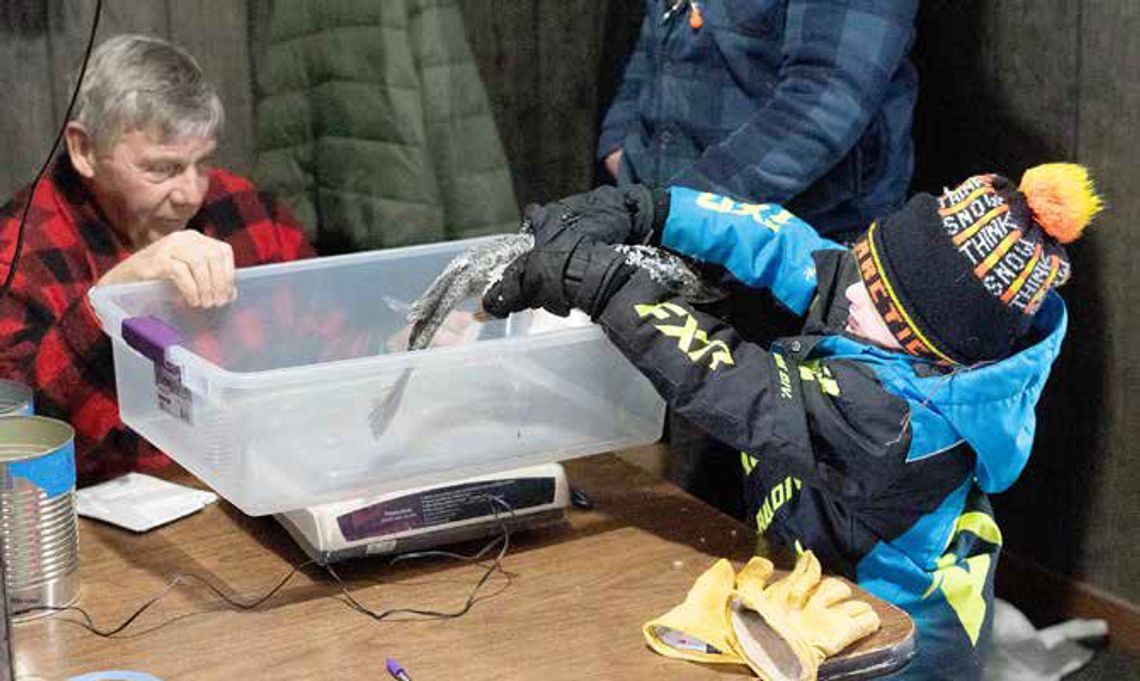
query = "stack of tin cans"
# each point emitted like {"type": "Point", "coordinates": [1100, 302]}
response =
{"type": "Point", "coordinates": [39, 530]}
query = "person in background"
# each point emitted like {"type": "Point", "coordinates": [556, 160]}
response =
{"type": "Point", "coordinates": [804, 103]}
{"type": "Point", "coordinates": [873, 436]}
{"type": "Point", "coordinates": [133, 198]}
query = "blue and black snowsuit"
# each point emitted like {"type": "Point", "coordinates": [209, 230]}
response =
{"type": "Point", "coordinates": [878, 461]}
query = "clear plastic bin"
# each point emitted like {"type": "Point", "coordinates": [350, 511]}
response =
{"type": "Point", "coordinates": [269, 400]}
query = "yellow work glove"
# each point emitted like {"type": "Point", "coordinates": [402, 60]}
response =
{"type": "Point", "coordinates": [784, 630]}
{"type": "Point", "coordinates": [697, 629]}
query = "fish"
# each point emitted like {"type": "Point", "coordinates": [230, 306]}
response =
{"type": "Point", "coordinates": [478, 268]}
{"type": "Point", "coordinates": [469, 274]}
{"type": "Point", "coordinates": [474, 271]}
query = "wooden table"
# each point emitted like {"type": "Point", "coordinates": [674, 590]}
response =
{"type": "Point", "coordinates": [574, 609]}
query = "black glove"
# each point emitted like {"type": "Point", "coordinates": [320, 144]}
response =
{"type": "Point", "coordinates": [564, 270]}
{"type": "Point", "coordinates": [611, 215]}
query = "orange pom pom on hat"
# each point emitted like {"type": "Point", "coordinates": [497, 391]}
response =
{"type": "Point", "coordinates": [959, 277]}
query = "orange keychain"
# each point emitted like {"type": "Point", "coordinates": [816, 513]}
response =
{"type": "Point", "coordinates": [695, 18]}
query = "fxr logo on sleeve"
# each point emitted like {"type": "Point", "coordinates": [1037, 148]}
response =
{"type": "Point", "coordinates": [691, 340]}
{"type": "Point", "coordinates": [769, 215]}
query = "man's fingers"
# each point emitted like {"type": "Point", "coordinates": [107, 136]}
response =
{"type": "Point", "coordinates": [200, 269]}
{"type": "Point", "coordinates": [212, 295]}
{"type": "Point", "coordinates": [209, 263]}
{"type": "Point", "coordinates": [222, 274]}
{"type": "Point", "coordinates": [183, 280]}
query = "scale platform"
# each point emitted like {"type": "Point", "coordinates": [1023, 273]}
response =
{"type": "Point", "coordinates": [426, 517]}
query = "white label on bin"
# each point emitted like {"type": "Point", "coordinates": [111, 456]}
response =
{"type": "Point", "coordinates": [173, 397]}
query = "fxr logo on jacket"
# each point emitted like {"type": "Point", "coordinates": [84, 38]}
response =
{"type": "Point", "coordinates": [691, 339]}
{"type": "Point", "coordinates": [769, 215]}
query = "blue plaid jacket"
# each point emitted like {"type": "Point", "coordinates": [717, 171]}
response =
{"type": "Point", "coordinates": [805, 103]}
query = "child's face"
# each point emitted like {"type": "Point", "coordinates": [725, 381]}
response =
{"type": "Point", "coordinates": [863, 319]}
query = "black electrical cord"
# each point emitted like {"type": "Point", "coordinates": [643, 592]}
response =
{"type": "Point", "coordinates": [473, 596]}
{"type": "Point", "coordinates": [89, 623]}
{"type": "Point", "coordinates": [51, 155]}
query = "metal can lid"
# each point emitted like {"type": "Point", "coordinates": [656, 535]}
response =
{"type": "Point", "coordinates": [26, 437]}
{"type": "Point", "coordinates": [14, 397]}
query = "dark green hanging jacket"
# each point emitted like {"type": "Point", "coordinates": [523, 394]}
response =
{"type": "Point", "coordinates": [373, 123]}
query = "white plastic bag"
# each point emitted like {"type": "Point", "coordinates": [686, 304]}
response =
{"type": "Point", "coordinates": [1021, 652]}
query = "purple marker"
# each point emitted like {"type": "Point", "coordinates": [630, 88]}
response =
{"type": "Point", "coordinates": [397, 671]}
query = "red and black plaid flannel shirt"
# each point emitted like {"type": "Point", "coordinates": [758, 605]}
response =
{"type": "Point", "coordinates": [50, 338]}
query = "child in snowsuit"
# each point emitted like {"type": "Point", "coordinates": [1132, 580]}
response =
{"type": "Point", "coordinates": [873, 437]}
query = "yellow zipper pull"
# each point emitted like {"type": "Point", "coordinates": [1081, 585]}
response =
{"type": "Point", "coordinates": [695, 18]}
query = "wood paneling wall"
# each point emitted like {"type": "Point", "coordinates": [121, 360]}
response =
{"type": "Point", "coordinates": [542, 63]}
{"type": "Point", "coordinates": [41, 49]}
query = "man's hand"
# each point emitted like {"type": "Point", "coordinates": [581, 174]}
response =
{"type": "Point", "coordinates": [613, 163]}
{"type": "Point", "coordinates": [200, 267]}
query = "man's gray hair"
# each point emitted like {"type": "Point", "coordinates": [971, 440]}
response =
{"type": "Point", "coordinates": [136, 82]}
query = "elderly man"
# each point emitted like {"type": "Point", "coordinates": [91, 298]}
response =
{"type": "Point", "coordinates": [133, 198]}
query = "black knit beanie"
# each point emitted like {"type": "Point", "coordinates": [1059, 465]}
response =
{"type": "Point", "coordinates": [958, 278]}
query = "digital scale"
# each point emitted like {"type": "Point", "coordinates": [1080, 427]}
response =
{"type": "Point", "coordinates": [421, 518]}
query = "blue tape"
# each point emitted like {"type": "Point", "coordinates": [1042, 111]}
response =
{"type": "Point", "coordinates": [115, 675]}
{"type": "Point", "coordinates": [53, 472]}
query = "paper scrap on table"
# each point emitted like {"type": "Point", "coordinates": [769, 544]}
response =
{"type": "Point", "coordinates": [140, 502]}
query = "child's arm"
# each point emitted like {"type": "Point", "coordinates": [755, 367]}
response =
{"type": "Point", "coordinates": [831, 425]}
{"type": "Point", "coordinates": [762, 245]}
